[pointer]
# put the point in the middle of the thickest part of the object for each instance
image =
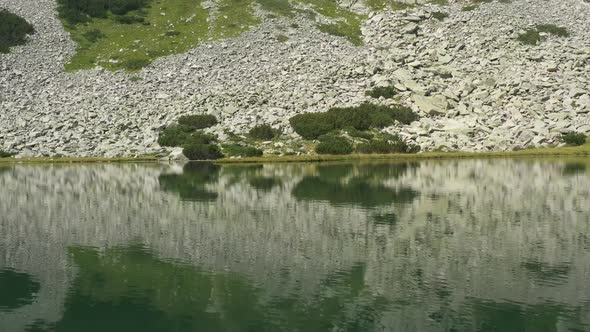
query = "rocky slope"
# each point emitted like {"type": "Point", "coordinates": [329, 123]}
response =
{"type": "Point", "coordinates": [476, 87]}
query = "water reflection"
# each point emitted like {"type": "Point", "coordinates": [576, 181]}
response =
{"type": "Point", "coordinates": [494, 245]}
{"type": "Point", "coordinates": [129, 289]}
{"type": "Point", "coordinates": [16, 289]}
{"type": "Point", "coordinates": [355, 185]}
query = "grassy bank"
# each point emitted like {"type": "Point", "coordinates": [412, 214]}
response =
{"type": "Point", "coordinates": [577, 151]}
{"type": "Point", "coordinates": [80, 160]}
{"type": "Point", "coordinates": [568, 151]}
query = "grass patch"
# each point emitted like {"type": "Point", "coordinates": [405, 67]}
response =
{"type": "Point", "coordinates": [282, 38]}
{"type": "Point", "coordinates": [578, 151]}
{"type": "Point", "coordinates": [440, 15]}
{"type": "Point", "coordinates": [378, 5]}
{"type": "Point", "coordinates": [147, 29]}
{"type": "Point", "coordinates": [553, 29]}
{"type": "Point", "coordinates": [529, 37]}
{"type": "Point", "coordinates": [533, 36]}
{"type": "Point", "coordinates": [469, 8]}
{"type": "Point", "coordinates": [13, 30]}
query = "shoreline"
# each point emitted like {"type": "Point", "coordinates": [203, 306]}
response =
{"type": "Point", "coordinates": [569, 151]}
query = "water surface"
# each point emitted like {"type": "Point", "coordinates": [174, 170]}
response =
{"type": "Point", "coordinates": [472, 245]}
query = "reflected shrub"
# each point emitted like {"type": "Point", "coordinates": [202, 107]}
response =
{"type": "Point", "coordinates": [190, 185]}
{"type": "Point", "coordinates": [17, 289]}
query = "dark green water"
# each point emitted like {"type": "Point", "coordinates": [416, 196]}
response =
{"type": "Point", "coordinates": [496, 245]}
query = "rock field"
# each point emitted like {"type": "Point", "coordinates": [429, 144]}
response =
{"type": "Point", "coordinates": [475, 86]}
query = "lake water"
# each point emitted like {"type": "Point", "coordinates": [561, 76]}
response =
{"type": "Point", "coordinates": [470, 245]}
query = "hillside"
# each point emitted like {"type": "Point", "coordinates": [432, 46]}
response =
{"type": "Point", "coordinates": [486, 76]}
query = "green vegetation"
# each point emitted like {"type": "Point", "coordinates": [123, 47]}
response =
{"type": "Point", "coordinates": [93, 35]}
{"type": "Point", "coordinates": [263, 132]}
{"type": "Point", "coordinates": [469, 8]}
{"type": "Point", "coordinates": [238, 150]}
{"type": "Point", "coordinates": [5, 154]}
{"type": "Point", "coordinates": [202, 151]}
{"type": "Point", "coordinates": [533, 36]}
{"type": "Point", "coordinates": [13, 30]}
{"type": "Point", "coordinates": [331, 144]}
{"type": "Point", "coordinates": [17, 289]}
{"type": "Point", "coordinates": [363, 117]}
{"type": "Point", "coordinates": [389, 4]}
{"type": "Point", "coordinates": [135, 32]}
{"type": "Point", "coordinates": [439, 2]}
{"type": "Point", "coordinates": [388, 144]}
{"type": "Point", "coordinates": [530, 37]}
{"type": "Point", "coordinates": [353, 132]}
{"type": "Point", "coordinates": [196, 144]}
{"type": "Point", "coordinates": [198, 121]}
{"type": "Point", "coordinates": [282, 38]}
{"type": "Point", "coordinates": [440, 15]}
{"type": "Point", "coordinates": [574, 139]}
{"type": "Point", "coordinates": [132, 289]}
{"type": "Point", "coordinates": [386, 92]}
{"type": "Point", "coordinates": [80, 11]}
{"type": "Point", "coordinates": [553, 29]}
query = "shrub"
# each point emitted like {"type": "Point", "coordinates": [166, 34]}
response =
{"type": "Point", "coordinates": [175, 135]}
{"type": "Point", "coordinates": [199, 138]}
{"type": "Point", "coordinates": [312, 125]}
{"type": "Point", "coordinates": [575, 139]}
{"type": "Point", "coordinates": [333, 145]}
{"type": "Point", "coordinates": [93, 35]}
{"type": "Point", "coordinates": [13, 30]}
{"type": "Point", "coordinates": [236, 150]}
{"type": "Point", "coordinates": [198, 121]}
{"type": "Point", "coordinates": [263, 132]}
{"type": "Point", "coordinates": [5, 154]}
{"type": "Point", "coordinates": [386, 92]}
{"type": "Point", "coordinates": [202, 151]}
{"type": "Point", "coordinates": [362, 117]}
{"type": "Point", "coordinates": [440, 16]}
{"type": "Point", "coordinates": [390, 144]}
